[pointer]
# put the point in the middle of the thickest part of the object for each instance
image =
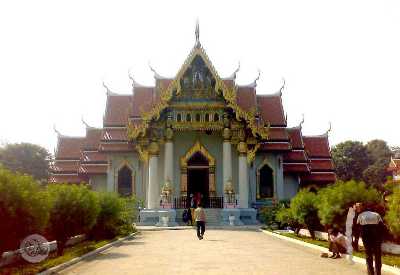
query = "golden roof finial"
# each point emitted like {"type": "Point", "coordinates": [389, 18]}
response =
{"type": "Point", "coordinates": [197, 33]}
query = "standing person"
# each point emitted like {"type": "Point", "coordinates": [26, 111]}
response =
{"type": "Point", "coordinates": [356, 227]}
{"type": "Point", "coordinates": [372, 237]}
{"type": "Point", "coordinates": [200, 217]}
{"type": "Point", "coordinates": [192, 207]}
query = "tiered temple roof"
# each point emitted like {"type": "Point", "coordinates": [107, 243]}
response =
{"type": "Point", "coordinates": [77, 158]}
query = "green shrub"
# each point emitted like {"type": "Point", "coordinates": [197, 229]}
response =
{"type": "Point", "coordinates": [285, 217]}
{"type": "Point", "coordinates": [304, 210]}
{"type": "Point", "coordinates": [74, 211]}
{"type": "Point", "coordinates": [129, 215]}
{"type": "Point", "coordinates": [24, 208]}
{"type": "Point", "coordinates": [334, 201]}
{"type": "Point", "coordinates": [393, 214]}
{"type": "Point", "coordinates": [268, 214]}
{"type": "Point", "coordinates": [110, 215]}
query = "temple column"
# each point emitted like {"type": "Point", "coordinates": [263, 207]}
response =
{"type": "Point", "coordinates": [153, 195]}
{"type": "Point", "coordinates": [169, 157]}
{"type": "Point", "coordinates": [226, 158]}
{"type": "Point", "coordinates": [243, 176]}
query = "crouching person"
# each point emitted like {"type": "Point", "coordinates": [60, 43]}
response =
{"type": "Point", "coordinates": [337, 243]}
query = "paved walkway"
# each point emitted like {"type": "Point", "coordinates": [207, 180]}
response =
{"type": "Point", "coordinates": [221, 252]}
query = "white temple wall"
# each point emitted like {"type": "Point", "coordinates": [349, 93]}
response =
{"type": "Point", "coordinates": [291, 186]}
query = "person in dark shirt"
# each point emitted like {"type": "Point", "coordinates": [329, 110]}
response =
{"type": "Point", "coordinates": [356, 230]}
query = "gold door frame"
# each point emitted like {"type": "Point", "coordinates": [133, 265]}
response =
{"type": "Point", "coordinates": [198, 147]}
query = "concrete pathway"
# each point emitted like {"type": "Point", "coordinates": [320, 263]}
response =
{"type": "Point", "coordinates": [221, 252]}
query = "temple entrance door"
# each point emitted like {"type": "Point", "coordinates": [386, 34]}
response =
{"type": "Point", "coordinates": [198, 178]}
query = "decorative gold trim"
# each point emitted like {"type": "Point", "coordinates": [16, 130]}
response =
{"type": "Point", "coordinates": [197, 147]}
{"type": "Point", "coordinates": [143, 154]}
{"type": "Point", "coordinates": [257, 127]}
{"type": "Point", "coordinates": [251, 153]}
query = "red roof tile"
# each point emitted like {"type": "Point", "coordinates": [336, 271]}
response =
{"type": "Point", "coordinates": [321, 165]}
{"type": "Point", "coordinates": [296, 137]}
{"type": "Point", "coordinates": [275, 146]}
{"type": "Point", "coordinates": [316, 177]}
{"type": "Point", "coordinates": [69, 147]}
{"type": "Point", "coordinates": [93, 157]}
{"type": "Point", "coordinates": [295, 156]}
{"type": "Point", "coordinates": [246, 98]}
{"type": "Point", "coordinates": [116, 147]}
{"type": "Point", "coordinates": [73, 178]}
{"type": "Point", "coordinates": [142, 100]}
{"type": "Point", "coordinates": [278, 134]}
{"type": "Point", "coordinates": [93, 136]}
{"type": "Point", "coordinates": [229, 83]}
{"type": "Point", "coordinates": [114, 134]}
{"type": "Point", "coordinates": [271, 109]}
{"type": "Point", "coordinates": [93, 169]}
{"type": "Point", "coordinates": [118, 110]}
{"type": "Point", "coordinates": [317, 146]}
{"type": "Point", "coordinates": [65, 167]}
{"type": "Point", "coordinates": [295, 168]}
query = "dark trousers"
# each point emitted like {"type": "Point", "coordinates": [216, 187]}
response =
{"type": "Point", "coordinates": [372, 240]}
{"type": "Point", "coordinates": [373, 250]}
{"type": "Point", "coordinates": [201, 227]}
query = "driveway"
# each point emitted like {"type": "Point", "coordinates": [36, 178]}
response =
{"type": "Point", "coordinates": [221, 252]}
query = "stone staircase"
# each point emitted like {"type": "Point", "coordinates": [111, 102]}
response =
{"type": "Point", "coordinates": [213, 216]}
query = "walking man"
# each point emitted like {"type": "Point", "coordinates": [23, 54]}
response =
{"type": "Point", "coordinates": [372, 237]}
{"type": "Point", "coordinates": [200, 217]}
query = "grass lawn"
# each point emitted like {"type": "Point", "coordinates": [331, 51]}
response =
{"type": "Point", "coordinates": [389, 259]}
{"type": "Point", "coordinates": [70, 253]}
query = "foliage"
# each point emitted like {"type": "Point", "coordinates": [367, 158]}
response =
{"type": "Point", "coordinates": [268, 214]}
{"type": "Point", "coordinates": [359, 162]}
{"type": "Point", "coordinates": [75, 210]}
{"type": "Point", "coordinates": [379, 155]}
{"type": "Point", "coordinates": [24, 208]}
{"type": "Point", "coordinates": [334, 201]}
{"type": "Point", "coordinates": [393, 214]}
{"type": "Point", "coordinates": [111, 206]}
{"type": "Point", "coordinates": [351, 159]}
{"type": "Point", "coordinates": [26, 158]}
{"type": "Point", "coordinates": [285, 217]}
{"type": "Point", "coordinates": [304, 210]}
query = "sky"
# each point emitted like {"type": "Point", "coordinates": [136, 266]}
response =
{"type": "Point", "coordinates": [340, 59]}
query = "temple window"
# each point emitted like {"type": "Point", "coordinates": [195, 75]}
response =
{"type": "Point", "coordinates": [216, 117]}
{"type": "Point", "coordinates": [266, 182]}
{"type": "Point", "coordinates": [198, 117]}
{"type": "Point", "coordinates": [179, 117]}
{"type": "Point", "coordinates": [125, 182]}
{"type": "Point", "coordinates": [207, 117]}
{"type": "Point", "coordinates": [188, 117]}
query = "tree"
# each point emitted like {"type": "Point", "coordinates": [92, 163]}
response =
{"type": "Point", "coordinates": [24, 208]}
{"type": "Point", "coordinates": [393, 214]}
{"type": "Point", "coordinates": [351, 159]}
{"type": "Point", "coordinates": [334, 201]}
{"type": "Point", "coordinates": [303, 208]}
{"type": "Point", "coordinates": [26, 158]}
{"type": "Point", "coordinates": [379, 155]}
{"type": "Point", "coordinates": [74, 211]}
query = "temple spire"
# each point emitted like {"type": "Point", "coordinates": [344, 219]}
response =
{"type": "Point", "coordinates": [197, 33]}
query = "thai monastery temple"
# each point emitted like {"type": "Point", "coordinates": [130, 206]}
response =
{"type": "Point", "coordinates": [197, 135]}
